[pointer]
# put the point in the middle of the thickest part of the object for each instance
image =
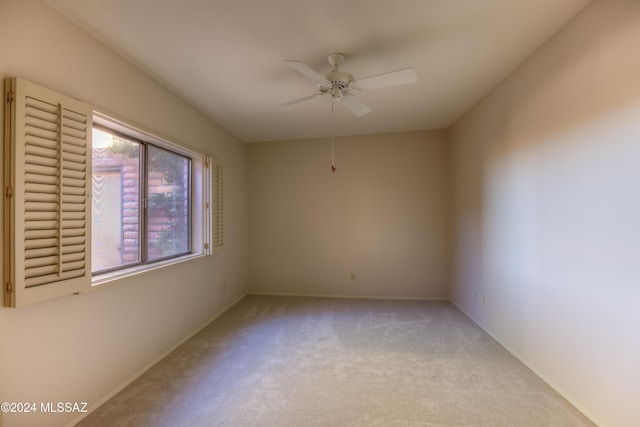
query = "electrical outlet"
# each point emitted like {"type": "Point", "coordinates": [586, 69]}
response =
{"type": "Point", "coordinates": [353, 277]}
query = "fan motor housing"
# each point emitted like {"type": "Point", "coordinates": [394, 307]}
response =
{"type": "Point", "coordinates": [341, 83]}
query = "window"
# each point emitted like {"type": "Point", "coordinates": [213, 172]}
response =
{"type": "Point", "coordinates": [87, 195]}
{"type": "Point", "coordinates": [153, 201]}
{"type": "Point", "coordinates": [141, 202]}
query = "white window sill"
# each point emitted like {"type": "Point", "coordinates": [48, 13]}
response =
{"type": "Point", "coordinates": [114, 276]}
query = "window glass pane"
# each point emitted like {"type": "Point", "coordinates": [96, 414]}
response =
{"type": "Point", "coordinates": [168, 213]}
{"type": "Point", "coordinates": [116, 199]}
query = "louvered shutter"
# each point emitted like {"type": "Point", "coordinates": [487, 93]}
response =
{"type": "Point", "coordinates": [217, 224]}
{"type": "Point", "coordinates": [48, 167]}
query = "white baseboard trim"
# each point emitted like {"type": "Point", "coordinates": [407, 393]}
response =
{"type": "Point", "coordinates": [529, 365]}
{"type": "Point", "coordinates": [345, 296]}
{"type": "Point", "coordinates": [153, 362]}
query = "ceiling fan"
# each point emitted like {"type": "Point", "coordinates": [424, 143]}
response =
{"type": "Point", "coordinates": [341, 85]}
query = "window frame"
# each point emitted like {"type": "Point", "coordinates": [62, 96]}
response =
{"type": "Point", "coordinates": [145, 213]}
{"type": "Point", "coordinates": [200, 236]}
{"type": "Point", "coordinates": [144, 196]}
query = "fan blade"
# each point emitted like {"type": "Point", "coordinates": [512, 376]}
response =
{"type": "Point", "coordinates": [354, 105]}
{"type": "Point", "coordinates": [304, 69]}
{"type": "Point", "coordinates": [394, 78]}
{"type": "Point", "coordinates": [296, 101]}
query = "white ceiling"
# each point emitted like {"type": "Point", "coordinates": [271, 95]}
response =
{"type": "Point", "coordinates": [225, 57]}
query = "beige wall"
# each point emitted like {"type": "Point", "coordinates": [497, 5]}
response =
{"type": "Point", "coordinates": [79, 348]}
{"type": "Point", "coordinates": [547, 212]}
{"type": "Point", "coordinates": [384, 215]}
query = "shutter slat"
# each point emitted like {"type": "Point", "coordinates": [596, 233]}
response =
{"type": "Point", "coordinates": [35, 234]}
{"type": "Point", "coordinates": [40, 179]}
{"type": "Point", "coordinates": [49, 115]}
{"type": "Point", "coordinates": [73, 149]}
{"type": "Point", "coordinates": [67, 216]}
{"type": "Point", "coordinates": [41, 105]}
{"type": "Point", "coordinates": [73, 135]}
{"type": "Point", "coordinates": [41, 271]}
{"type": "Point", "coordinates": [36, 141]}
{"type": "Point", "coordinates": [75, 265]}
{"type": "Point", "coordinates": [75, 117]}
{"type": "Point", "coordinates": [41, 243]}
{"type": "Point", "coordinates": [75, 141]}
{"type": "Point", "coordinates": [73, 249]}
{"type": "Point", "coordinates": [74, 208]}
{"type": "Point", "coordinates": [41, 197]}
{"type": "Point", "coordinates": [69, 225]}
{"type": "Point", "coordinates": [75, 158]}
{"type": "Point", "coordinates": [81, 175]}
{"type": "Point", "coordinates": [41, 133]}
{"type": "Point", "coordinates": [41, 252]}
{"type": "Point", "coordinates": [78, 256]}
{"type": "Point", "coordinates": [38, 126]}
{"type": "Point", "coordinates": [39, 151]}
{"type": "Point", "coordinates": [40, 216]}
{"type": "Point", "coordinates": [73, 182]}
{"type": "Point", "coordinates": [72, 242]}
{"type": "Point", "coordinates": [76, 191]}
{"type": "Point", "coordinates": [37, 169]}
{"type": "Point", "coordinates": [40, 261]}
{"type": "Point", "coordinates": [72, 232]}
{"type": "Point", "coordinates": [40, 280]}
{"type": "Point", "coordinates": [40, 188]}
{"type": "Point", "coordinates": [40, 225]}
{"type": "Point", "coordinates": [81, 167]}
{"type": "Point", "coordinates": [42, 161]}
{"type": "Point", "coordinates": [73, 200]}
{"type": "Point", "coordinates": [40, 207]}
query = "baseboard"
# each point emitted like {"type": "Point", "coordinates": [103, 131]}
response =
{"type": "Point", "coordinates": [346, 296]}
{"type": "Point", "coordinates": [529, 365]}
{"type": "Point", "coordinates": [153, 362]}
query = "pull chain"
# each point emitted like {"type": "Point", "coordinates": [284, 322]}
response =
{"type": "Point", "coordinates": [333, 138]}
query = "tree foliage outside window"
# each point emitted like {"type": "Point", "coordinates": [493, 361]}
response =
{"type": "Point", "coordinates": [168, 209]}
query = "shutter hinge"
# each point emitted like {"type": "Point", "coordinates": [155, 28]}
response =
{"type": "Point", "coordinates": [11, 96]}
{"type": "Point", "coordinates": [9, 287]}
{"type": "Point", "coordinates": [206, 165]}
{"type": "Point", "coordinates": [206, 246]}
{"type": "Point", "coordinates": [9, 192]}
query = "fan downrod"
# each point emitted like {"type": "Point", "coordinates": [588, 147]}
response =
{"type": "Point", "coordinates": [335, 59]}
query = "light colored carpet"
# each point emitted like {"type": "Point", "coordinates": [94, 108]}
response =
{"type": "Point", "coordinates": [288, 361]}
